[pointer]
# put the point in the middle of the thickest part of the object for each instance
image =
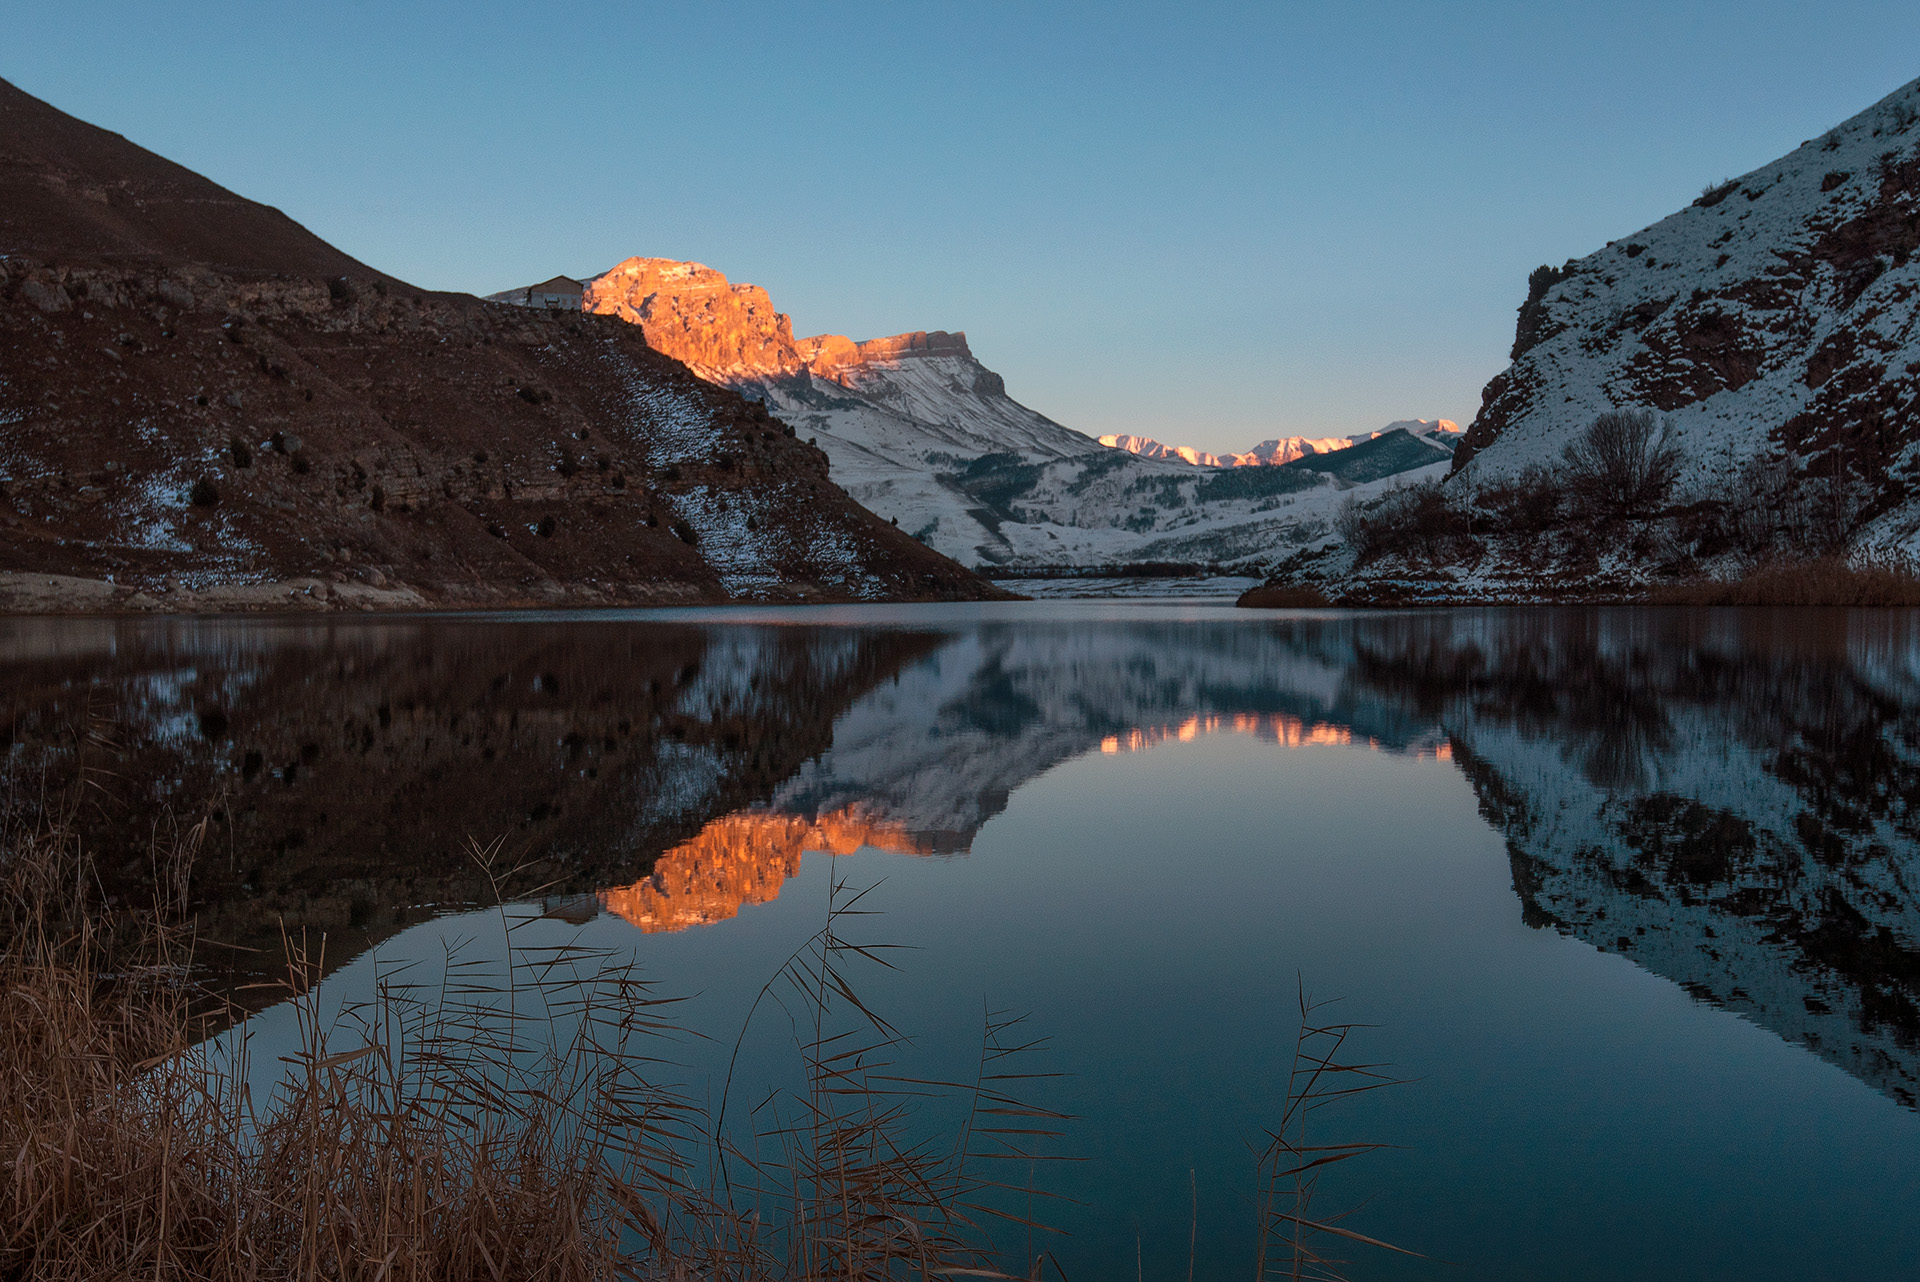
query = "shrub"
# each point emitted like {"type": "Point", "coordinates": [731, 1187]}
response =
{"type": "Point", "coordinates": [1714, 193]}
{"type": "Point", "coordinates": [1771, 503]}
{"type": "Point", "coordinates": [1624, 464]}
{"type": "Point", "coordinates": [1406, 519]}
{"type": "Point", "coordinates": [1527, 504]}
{"type": "Point", "coordinates": [204, 493]}
{"type": "Point", "coordinates": [242, 452]}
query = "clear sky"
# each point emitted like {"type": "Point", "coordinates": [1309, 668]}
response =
{"type": "Point", "coordinates": [1206, 223]}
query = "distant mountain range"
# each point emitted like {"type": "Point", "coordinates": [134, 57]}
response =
{"type": "Point", "coordinates": [205, 406]}
{"type": "Point", "coordinates": [922, 433]}
{"type": "Point", "coordinates": [1280, 450]}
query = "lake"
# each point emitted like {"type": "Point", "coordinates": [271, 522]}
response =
{"type": "Point", "coordinates": [1630, 898]}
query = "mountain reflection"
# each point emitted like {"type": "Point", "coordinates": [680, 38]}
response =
{"type": "Point", "coordinates": [1726, 798]}
{"type": "Point", "coordinates": [349, 770]}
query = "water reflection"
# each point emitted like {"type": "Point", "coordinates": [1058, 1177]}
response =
{"type": "Point", "coordinates": [1728, 799]}
{"type": "Point", "coordinates": [349, 770]}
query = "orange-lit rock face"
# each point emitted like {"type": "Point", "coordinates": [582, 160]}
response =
{"type": "Point", "coordinates": [731, 333]}
{"type": "Point", "coordinates": [744, 859]}
{"type": "Point", "coordinates": [690, 312]}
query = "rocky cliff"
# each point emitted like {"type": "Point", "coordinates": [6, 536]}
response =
{"type": "Point", "coordinates": [1769, 330]}
{"type": "Point", "coordinates": [1774, 315]}
{"type": "Point", "coordinates": [204, 406]}
{"type": "Point", "coordinates": [921, 432]}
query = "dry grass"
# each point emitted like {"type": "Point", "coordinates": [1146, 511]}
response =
{"type": "Point", "coordinates": [504, 1123]}
{"type": "Point", "coordinates": [1827, 581]}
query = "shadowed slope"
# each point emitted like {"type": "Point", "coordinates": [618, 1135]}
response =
{"type": "Point", "coordinates": [204, 406]}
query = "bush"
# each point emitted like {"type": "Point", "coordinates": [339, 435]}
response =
{"type": "Point", "coordinates": [1771, 503]}
{"type": "Point", "coordinates": [204, 493]}
{"type": "Point", "coordinates": [1406, 519]}
{"type": "Point", "coordinates": [1714, 193]}
{"type": "Point", "coordinates": [1528, 504]}
{"type": "Point", "coordinates": [1624, 464]}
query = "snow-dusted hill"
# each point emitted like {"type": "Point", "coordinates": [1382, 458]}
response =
{"type": "Point", "coordinates": [921, 433]}
{"type": "Point", "coordinates": [1775, 313]}
{"type": "Point", "coordinates": [1772, 326]}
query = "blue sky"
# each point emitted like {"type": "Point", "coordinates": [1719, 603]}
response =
{"type": "Point", "coordinates": [1206, 223]}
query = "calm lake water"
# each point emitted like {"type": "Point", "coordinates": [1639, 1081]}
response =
{"type": "Point", "coordinates": [1632, 897]}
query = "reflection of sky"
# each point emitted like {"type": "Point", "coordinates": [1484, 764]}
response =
{"type": "Point", "coordinates": [1572, 1115]}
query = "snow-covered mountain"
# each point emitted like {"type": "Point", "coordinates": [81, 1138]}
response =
{"type": "Point", "coordinates": [1773, 314]}
{"type": "Point", "coordinates": [1771, 329]}
{"type": "Point", "coordinates": [921, 433]}
{"type": "Point", "coordinates": [1280, 450]}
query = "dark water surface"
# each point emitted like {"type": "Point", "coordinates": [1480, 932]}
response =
{"type": "Point", "coordinates": [1632, 895]}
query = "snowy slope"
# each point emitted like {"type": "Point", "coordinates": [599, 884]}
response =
{"type": "Point", "coordinates": [918, 431]}
{"type": "Point", "coordinates": [1774, 316]}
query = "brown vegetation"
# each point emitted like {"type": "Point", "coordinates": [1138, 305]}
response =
{"type": "Point", "coordinates": [452, 1137]}
{"type": "Point", "coordinates": [1830, 581]}
{"type": "Point", "coordinates": [507, 1124]}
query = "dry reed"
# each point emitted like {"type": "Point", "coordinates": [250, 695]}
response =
{"type": "Point", "coordinates": [1822, 581]}
{"type": "Point", "coordinates": [505, 1122]}
{"type": "Point", "coordinates": [501, 1124]}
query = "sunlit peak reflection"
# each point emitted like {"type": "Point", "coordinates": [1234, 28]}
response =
{"type": "Point", "coordinates": [1281, 728]}
{"type": "Point", "coordinates": [745, 858]}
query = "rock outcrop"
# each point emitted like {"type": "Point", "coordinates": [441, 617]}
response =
{"type": "Point", "coordinates": [731, 333]}
{"type": "Point", "coordinates": [205, 406]}
{"type": "Point", "coordinates": [1775, 314]}
{"type": "Point", "coordinates": [1771, 331]}
{"type": "Point", "coordinates": [921, 432]}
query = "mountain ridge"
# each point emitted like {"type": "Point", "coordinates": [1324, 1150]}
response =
{"type": "Point", "coordinates": [921, 432]}
{"type": "Point", "coordinates": [204, 406]}
{"type": "Point", "coordinates": [1769, 335]}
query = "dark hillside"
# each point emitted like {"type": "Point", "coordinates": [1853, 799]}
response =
{"type": "Point", "coordinates": [204, 406]}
